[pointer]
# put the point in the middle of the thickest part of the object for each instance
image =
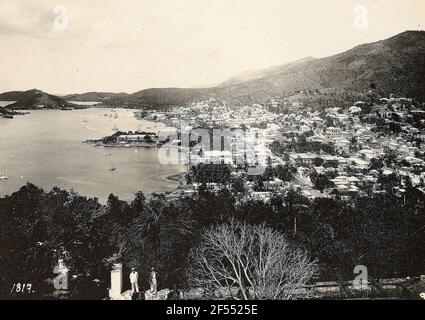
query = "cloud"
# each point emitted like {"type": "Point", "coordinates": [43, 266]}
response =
{"type": "Point", "coordinates": [17, 17]}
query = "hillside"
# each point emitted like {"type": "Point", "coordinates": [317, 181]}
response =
{"type": "Point", "coordinates": [395, 65]}
{"type": "Point", "coordinates": [34, 99]}
{"type": "Point", "coordinates": [11, 95]}
{"type": "Point", "coordinates": [154, 97]}
{"type": "Point", "coordinates": [258, 74]}
{"type": "Point", "coordinates": [169, 96]}
{"type": "Point", "coordinates": [95, 96]}
{"type": "Point", "coordinates": [321, 99]}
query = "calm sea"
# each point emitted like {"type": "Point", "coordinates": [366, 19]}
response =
{"type": "Point", "coordinates": [45, 148]}
{"type": "Point", "coordinates": [5, 103]}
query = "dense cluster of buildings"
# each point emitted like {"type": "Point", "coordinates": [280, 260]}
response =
{"type": "Point", "coordinates": [346, 151]}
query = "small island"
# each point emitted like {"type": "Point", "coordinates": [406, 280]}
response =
{"type": "Point", "coordinates": [8, 114]}
{"type": "Point", "coordinates": [127, 140]}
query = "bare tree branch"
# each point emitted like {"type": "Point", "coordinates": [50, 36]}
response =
{"type": "Point", "coordinates": [254, 261]}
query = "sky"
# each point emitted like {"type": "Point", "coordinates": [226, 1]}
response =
{"type": "Point", "coordinates": [75, 46]}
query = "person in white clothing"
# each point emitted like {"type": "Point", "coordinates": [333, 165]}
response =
{"type": "Point", "coordinates": [153, 282]}
{"type": "Point", "coordinates": [134, 277]}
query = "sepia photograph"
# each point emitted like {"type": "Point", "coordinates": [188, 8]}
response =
{"type": "Point", "coordinates": [212, 155]}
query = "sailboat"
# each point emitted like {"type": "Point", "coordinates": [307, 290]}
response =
{"type": "Point", "coordinates": [115, 128]}
{"type": "Point", "coordinates": [3, 176]}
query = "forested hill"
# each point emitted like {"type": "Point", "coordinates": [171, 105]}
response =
{"type": "Point", "coordinates": [392, 66]}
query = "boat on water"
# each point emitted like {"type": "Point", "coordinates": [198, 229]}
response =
{"type": "Point", "coordinates": [3, 176]}
{"type": "Point", "coordinates": [7, 116]}
{"type": "Point", "coordinates": [116, 115]}
{"type": "Point", "coordinates": [115, 128]}
{"type": "Point", "coordinates": [113, 169]}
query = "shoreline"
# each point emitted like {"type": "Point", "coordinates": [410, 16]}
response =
{"type": "Point", "coordinates": [126, 146]}
{"type": "Point", "coordinates": [178, 177]}
{"type": "Point", "coordinates": [73, 173]}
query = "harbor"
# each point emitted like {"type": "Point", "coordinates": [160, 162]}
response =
{"type": "Point", "coordinates": [54, 155]}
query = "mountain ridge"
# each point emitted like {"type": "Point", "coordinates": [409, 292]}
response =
{"type": "Point", "coordinates": [33, 99]}
{"type": "Point", "coordinates": [394, 65]}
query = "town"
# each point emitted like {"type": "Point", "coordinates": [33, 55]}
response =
{"type": "Point", "coordinates": [349, 151]}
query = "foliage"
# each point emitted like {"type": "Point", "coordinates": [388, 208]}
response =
{"type": "Point", "coordinates": [382, 231]}
{"type": "Point", "coordinates": [256, 261]}
{"type": "Point", "coordinates": [211, 173]}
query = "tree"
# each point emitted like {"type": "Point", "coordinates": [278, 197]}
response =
{"type": "Point", "coordinates": [318, 161]}
{"type": "Point", "coordinates": [323, 182]}
{"type": "Point", "coordinates": [238, 184]}
{"type": "Point", "coordinates": [243, 261]}
{"type": "Point", "coordinates": [390, 158]}
{"type": "Point", "coordinates": [376, 164]}
{"type": "Point", "coordinates": [211, 173]}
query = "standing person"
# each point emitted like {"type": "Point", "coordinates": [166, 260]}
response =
{"type": "Point", "coordinates": [134, 277]}
{"type": "Point", "coordinates": [153, 282]}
